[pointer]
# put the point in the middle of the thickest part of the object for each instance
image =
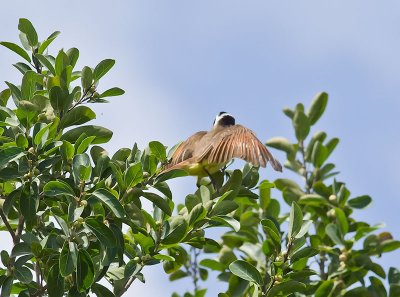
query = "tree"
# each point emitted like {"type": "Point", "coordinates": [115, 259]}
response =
{"type": "Point", "coordinates": [75, 214]}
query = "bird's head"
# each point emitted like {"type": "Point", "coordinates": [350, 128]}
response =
{"type": "Point", "coordinates": [224, 119]}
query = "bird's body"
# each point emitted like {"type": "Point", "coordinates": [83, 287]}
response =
{"type": "Point", "coordinates": [206, 152]}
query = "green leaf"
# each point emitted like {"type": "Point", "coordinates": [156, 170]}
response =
{"type": "Point", "coordinates": [158, 150]}
{"type": "Point", "coordinates": [58, 98]}
{"type": "Point", "coordinates": [197, 213]}
{"type": "Point", "coordinates": [63, 225]}
{"type": "Point", "coordinates": [77, 116]}
{"type": "Point", "coordinates": [288, 112]}
{"type": "Point", "coordinates": [287, 288]}
{"type": "Point", "coordinates": [41, 133]}
{"type": "Point", "coordinates": [334, 233]}
{"type": "Point", "coordinates": [341, 220]}
{"type": "Point", "coordinates": [282, 183]}
{"type": "Point", "coordinates": [83, 146]}
{"type": "Point", "coordinates": [5, 257]}
{"type": "Point", "coordinates": [102, 134]}
{"type": "Point", "coordinates": [56, 188]}
{"type": "Point", "coordinates": [317, 107]}
{"type": "Point", "coordinates": [378, 270]}
{"type": "Point", "coordinates": [16, 49]}
{"type": "Point", "coordinates": [61, 63]}
{"type": "Point", "coordinates": [212, 264]}
{"type": "Point", "coordinates": [179, 274]}
{"type": "Point", "coordinates": [160, 202]}
{"type": "Point", "coordinates": [394, 276]}
{"type": "Point", "coordinates": [360, 202]}
{"type": "Point", "coordinates": [246, 271]}
{"type": "Point", "coordinates": [81, 167]}
{"type": "Point", "coordinates": [46, 63]}
{"type": "Point", "coordinates": [73, 55]}
{"type": "Point", "coordinates": [10, 154]}
{"type": "Point", "coordinates": [301, 125]}
{"type": "Point", "coordinates": [28, 204]}
{"type": "Point", "coordinates": [28, 106]}
{"type": "Point", "coordinates": [272, 230]}
{"type": "Point", "coordinates": [377, 287]}
{"type": "Point", "coordinates": [295, 220]}
{"type": "Point", "coordinates": [47, 42]}
{"type": "Point", "coordinates": [4, 95]}
{"type": "Point", "coordinates": [84, 271]}
{"type": "Point", "coordinates": [25, 26]}
{"type": "Point", "coordinates": [358, 292]}
{"type": "Point", "coordinates": [223, 207]}
{"type": "Point", "coordinates": [319, 154]}
{"type": "Point", "coordinates": [306, 252]}
{"type": "Point", "coordinates": [101, 231]}
{"type": "Point", "coordinates": [325, 288]}
{"type": "Point", "coordinates": [15, 92]}
{"type": "Point", "coordinates": [110, 201]}
{"type": "Point", "coordinates": [313, 200]}
{"type": "Point", "coordinates": [102, 68]}
{"type": "Point", "coordinates": [67, 150]}
{"type": "Point", "coordinates": [265, 193]}
{"type": "Point", "coordinates": [227, 221]}
{"type": "Point", "coordinates": [177, 230]}
{"type": "Point", "coordinates": [281, 143]}
{"type": "Point", "coordinates": [68, 258]}
{"type": "Point", "coordinates": [55, 282]}
{"type": "Point", "coordinates": [6, 287]}
{"type": "Point", "coordinates": [394, 290]}
{"type": "Point", "coordinates": [112, 92]}
{"type": "Point", "coordinates": [390, 245]}
{"type": "Point", "coordinates": [86, 78]}
{"type": "Point", "coordinates": [22, 67]}
{"type": "Point", "coordinates": [304, 229]}
{"type": "Point", "coordinates": [28, 86]}
{"type": "Point", "coordinates": [133, 175]}
{"type": "Point", "coordinates": [163, 257]}
{"type": "Point", "coordinates": [331, 145]}
{"type": "Point", "coordinates": [101, 291]}
{"type": "Point", "coordinates": [170, 175]}
{"type": "Point", "coordinates": [23, 274]}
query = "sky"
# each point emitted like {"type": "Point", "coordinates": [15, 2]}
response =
{"type": "Point", "coordinates": [182, 62]}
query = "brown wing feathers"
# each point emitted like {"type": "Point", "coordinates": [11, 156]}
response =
{"type": "Point", "coordinates": [220, 147]}
{"type": "Point", "coordinates": [185, 150]}
{"type": "Point", "coordinates": [240, 142]}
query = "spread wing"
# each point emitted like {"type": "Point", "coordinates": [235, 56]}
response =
{"type": "Point", "coordinates": [185, 150]}
{"type": "Point", "coordinates": [239, 142]}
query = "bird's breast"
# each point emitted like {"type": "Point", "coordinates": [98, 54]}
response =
{"type": "Point", "coordinates": [203, 168]}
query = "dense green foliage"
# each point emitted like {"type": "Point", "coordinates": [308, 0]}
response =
{"type": "Point", "coordinates": [75, 214]}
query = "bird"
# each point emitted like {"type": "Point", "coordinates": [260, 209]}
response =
{"type": "Point", "coordinates": [207, 152]}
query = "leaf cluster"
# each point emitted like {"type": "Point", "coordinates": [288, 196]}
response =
{"type": "Point", "coordinates": [78, 216]}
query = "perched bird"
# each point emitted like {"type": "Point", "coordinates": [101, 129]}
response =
{"type": "Point", "coordinates": [206, 152]}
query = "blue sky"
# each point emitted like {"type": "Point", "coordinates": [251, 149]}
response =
{"type": "Point", "coordinates": [181, 62]}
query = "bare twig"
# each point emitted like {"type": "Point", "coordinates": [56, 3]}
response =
{"type": "Point", "coordinates": [40, 292]}
{"type": "Point", "coordinates": [20, 228]}
{"type": "Point", "coordinates": [83, 98]}
{"type": "Point", "coordinates": [195, 268]}
{"type": "Point", "coordinates": [321, 264]}
{"type": "Point", "coordinates": [7, 224]}
{"type": "Point", "coordinates": [128, 284]}
{"type": "Point", "coordinates": [305, 172]}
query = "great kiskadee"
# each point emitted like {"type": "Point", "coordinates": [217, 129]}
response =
{"type": "Point", "coordinates": [206, 152]}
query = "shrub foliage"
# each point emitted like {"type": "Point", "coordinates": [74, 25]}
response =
{"type": "Point", "coordinates": [75, 215]}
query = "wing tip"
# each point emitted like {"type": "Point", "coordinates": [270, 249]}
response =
{"type": "Point", "coordinates": [275, 164]}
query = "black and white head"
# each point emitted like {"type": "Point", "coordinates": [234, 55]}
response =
{"type": "Point", "coordinates": [224, 119]}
